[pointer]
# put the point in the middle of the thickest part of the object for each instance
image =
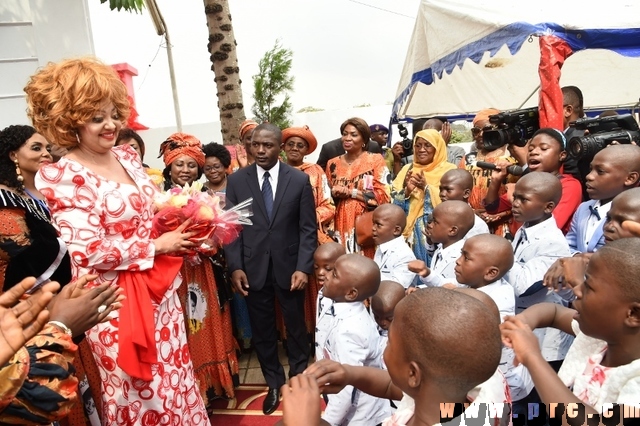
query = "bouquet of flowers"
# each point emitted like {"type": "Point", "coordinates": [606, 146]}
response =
{"type": "Point", "coordinates": [214, 226]}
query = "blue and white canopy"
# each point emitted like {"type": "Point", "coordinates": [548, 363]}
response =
{"type": "Point", "coordinates": [467, 55]}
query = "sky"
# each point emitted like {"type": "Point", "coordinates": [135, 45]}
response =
{"type": "Point", "coordinates": [345, 52]}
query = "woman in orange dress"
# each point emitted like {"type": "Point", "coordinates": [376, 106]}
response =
{"type": "Point", "coordinates": [298, 142]}
{"type": "Point", "coordinates": [359, 182]}
{"type": "Point", "coordinates": [205, 299]}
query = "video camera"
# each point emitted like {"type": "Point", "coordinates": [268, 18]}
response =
{"type": "Point", "coordinates": [511, 127]}
{"type": "Point", "coordinates": [407, 144]}
{"type": "Point", "coordinates": [602, 131]}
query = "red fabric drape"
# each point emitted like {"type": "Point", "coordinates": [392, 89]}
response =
{"type": "Point", "coordinates": [553, 52]}
{"type": "Point", "coordinates": [136, 333]}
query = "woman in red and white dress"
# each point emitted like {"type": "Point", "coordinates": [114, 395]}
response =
{"type": "Point", "coordinates": [101, 200]}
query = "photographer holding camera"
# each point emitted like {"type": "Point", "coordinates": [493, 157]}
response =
{"type": "Point", "coordinates": [499, 222]}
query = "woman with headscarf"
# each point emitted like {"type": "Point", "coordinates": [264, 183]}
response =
{"type": "Point", "coordinates": [359, 182]}
{"type": "Point", "coordinates": [417, 187]}
{"type": "Point", "coordinates": [296, 143]}
{"type": "Point", "coordinates": [204, 293]}
{"type": "Point", "coordinates": [243, 155]}
{"type": "Point", "coordinates": [498, 223]}
{"type": "Point", "coordinates": [216, 167]}
{"type": "Point", "coordinates": [102, 201]}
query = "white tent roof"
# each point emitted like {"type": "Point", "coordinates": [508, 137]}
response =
{"type": "Point", "coordinates": [467, 55]}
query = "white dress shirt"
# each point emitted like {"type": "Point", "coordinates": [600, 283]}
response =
{"type": "Point", "coordinates": [346, 333]}
{"type": "Point", "coordinates": [535, 249]}
{"type": "Point", "coordinates": [393, 258]}
{"type": "Point", "coordinates": [273, 177]}
{"type": "Point", "coordinates": [518, 377]}
{"type": "Point", "coordinates": [479, 227]}
{"type": "Point", "coordinates": [443, 264]}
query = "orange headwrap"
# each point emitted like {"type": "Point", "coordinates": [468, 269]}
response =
{"type": "Point", "coordinates": [247, 126]}
{"type": "Point", "coordinates": [181, 144]}
{"type": "Point", "coordinates": [484, 115]}
{"type": "Point", "coordinates": [301, 132]}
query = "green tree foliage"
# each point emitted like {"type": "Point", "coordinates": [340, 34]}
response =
{"type": "Point", "coordinates": [272, 84]}
{"type": "Point", "coordinates": [128, 5]}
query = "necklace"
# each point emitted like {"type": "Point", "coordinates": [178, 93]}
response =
{"type": "Point", "coordinates": [36, 199]}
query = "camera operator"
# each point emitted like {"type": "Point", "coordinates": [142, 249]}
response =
{"type": "Point", "coordinates": [573, 109]}
{"type": "Point", "coordinates": [498, 223]}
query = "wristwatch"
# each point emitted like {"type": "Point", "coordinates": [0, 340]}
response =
{"type": "Point", "coordinates": [354, 193]}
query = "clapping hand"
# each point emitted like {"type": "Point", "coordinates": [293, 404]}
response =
{"type": "Point", "coordinates": [19, 322]}
{"type": "Point", "coordinates": [80, 308]}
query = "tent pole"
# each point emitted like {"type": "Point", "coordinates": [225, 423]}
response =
{"type": "Point", "coordinates": [529, 97]}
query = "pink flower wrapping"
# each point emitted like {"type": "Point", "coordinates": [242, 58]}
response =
{"type": "Point", "coordinates": [214, 226]}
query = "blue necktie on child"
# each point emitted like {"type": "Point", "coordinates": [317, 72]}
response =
{"type": "Point", "coordinates": [267, 194]}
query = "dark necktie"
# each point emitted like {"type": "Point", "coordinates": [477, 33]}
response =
{"type": "Point", "coordinates": [267, 194]}
{"type": "Point", "coordinates": [521, 239]}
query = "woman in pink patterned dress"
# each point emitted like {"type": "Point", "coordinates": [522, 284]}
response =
{"type": "Point", "coordinates": [101, 200]}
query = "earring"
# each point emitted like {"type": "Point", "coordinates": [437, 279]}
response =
{"type": "Point", "coordinates": [78, 138]}
{"type": "Point", "coordinates": [19, 174]}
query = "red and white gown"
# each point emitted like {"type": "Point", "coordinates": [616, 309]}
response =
{"type": "Point", "coordinates": [107, 227]}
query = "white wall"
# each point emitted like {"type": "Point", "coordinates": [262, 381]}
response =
{"type": "Point", "coordinates": [33, 33]}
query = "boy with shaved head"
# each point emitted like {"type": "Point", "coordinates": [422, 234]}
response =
{"type": "Point", "coordinates": [484, 261]}
{"type": "Point", "coordinates": [451, 221]}
{"type": "Point", "coordinates": [443, 344]}
{"type": "Point", "coordinates": [536, 245]}
{"type": "Point", "coordinates": [457, 184]}
{"type": "Point", "coordinates": [346, 333]}
{"type": "Point", "coordinates": [393, 253]}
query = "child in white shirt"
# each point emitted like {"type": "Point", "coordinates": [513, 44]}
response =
{"type": "Point", "coordinates": [485, 259]}
{"type": "Point", "coordinates": [457, 184]}
{"type": "Point", "coordinates": [346, 333]}
{"type": "Point", "coordinates": [451, 221]}
{"type": "Point", "coordinates": [536, 245]}
{"type": "Point", "coordinates": [603, 365]}
{"type": "Point", "coordinates": [393, 253]}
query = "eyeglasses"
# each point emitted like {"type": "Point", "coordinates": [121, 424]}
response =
{"type": "Point", "coordinates": [218, 167]}
{"type": "Point", "coordinates": [477, 130]}
{"type": "Point", "coordinates": [298, 145]}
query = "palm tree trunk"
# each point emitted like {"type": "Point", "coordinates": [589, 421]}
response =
{"type": "Point", "coordinates": [222, 47]}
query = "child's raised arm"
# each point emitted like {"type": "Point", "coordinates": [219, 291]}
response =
{"type": "Point", "coordinates": [332, 377]}
{"type": "Point", "coordinates": [544, 315]}
{"type": "Point", "coordinates": [518, 335]}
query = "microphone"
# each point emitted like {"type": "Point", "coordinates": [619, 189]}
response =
{"type": "Point", "coordinates": [512, 170]}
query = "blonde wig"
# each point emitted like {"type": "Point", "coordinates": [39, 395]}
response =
{"type": "Point", "coordinates": [64, 96]}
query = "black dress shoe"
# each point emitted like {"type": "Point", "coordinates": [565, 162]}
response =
{"type": "Point", "coordinates": [271, 401]}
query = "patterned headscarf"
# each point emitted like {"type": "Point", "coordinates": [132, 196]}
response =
{"type": "Point", "coordinates": [484, 115]}
{"type": "Point", "coordinates": [302, 132]}
{"type": "Point", "coordinates": [181, 144]}
{"type": "Point", "coordinates": [246, 126]}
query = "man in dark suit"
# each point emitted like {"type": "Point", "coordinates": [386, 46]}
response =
{"type": "Point", "coordinates": [273, 257]}
{"type": "Point", "coordinates": [334, 148]}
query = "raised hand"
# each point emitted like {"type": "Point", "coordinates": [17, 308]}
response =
{"type": "Point", "coordinates": [300, 401]}
{"type": "Point", "coordinates": [20, 321]}
{"type": "Point", "coordinates": [80, 308]}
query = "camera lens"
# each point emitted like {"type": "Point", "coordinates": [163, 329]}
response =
{"type": "Point", "coordinates": [494, 139]}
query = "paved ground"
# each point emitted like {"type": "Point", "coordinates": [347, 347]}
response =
{"type": "Point", "coordinates": [250, 367]}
